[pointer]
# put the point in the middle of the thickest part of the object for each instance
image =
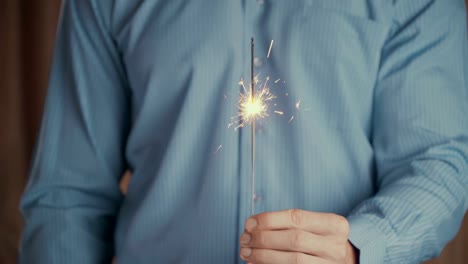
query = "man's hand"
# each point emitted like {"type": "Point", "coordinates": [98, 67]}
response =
{"type": "Point", "coordinates": [297, 236]}
{"type": "Point", "coordinates": [124, 181]}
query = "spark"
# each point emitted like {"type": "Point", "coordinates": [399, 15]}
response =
{"type": "Point", "coordinates": [242, 84]}
{"type": "Point", "coordinates": [269, 50]}
{"type": "Point", "coordinates": [298, 104]}
{"type": "Point", "coordinates": [279, 112]}
{"type": "Point", "coordinates": [219, 147]}
{"type": "Point", "coordinates": [266, 82]}
{"type": "Point", "coordinates": [291, 119]}
{"type": "Point", "coordinates": [256, 80]}
{"type": "Point", "coordinates": [277, 80]}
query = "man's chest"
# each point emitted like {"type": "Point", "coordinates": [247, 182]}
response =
{"type": "Point", "coordinates": [327, 51]}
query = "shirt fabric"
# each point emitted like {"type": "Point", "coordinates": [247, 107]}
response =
{"type": "Point", "coordinates": [381, 134]}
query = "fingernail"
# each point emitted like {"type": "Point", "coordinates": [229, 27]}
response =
{"type": "Point", "coordinates": [245, 239]}
{"type": "Point", "coordinates": [245, 252]}
{"type": "Point", "coordinates": [250, 224]}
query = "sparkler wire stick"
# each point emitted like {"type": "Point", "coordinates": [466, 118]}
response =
{"type": "Point", "coordinates": [252, 94]}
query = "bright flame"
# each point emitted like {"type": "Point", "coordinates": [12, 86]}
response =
{"type": "Point", "coordinates": [252, 108]}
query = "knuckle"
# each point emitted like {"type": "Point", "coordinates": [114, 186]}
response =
{"type": "Point", "coordinates": [258, 256]}
{"type": "Point", "coordinates": [296, 217]}
{"type": "Point", "coordinates": [258, 238]}
{"type": "Point", "coordinates": [299, 258]}
{"type": "Point", "coordinates": [298, 239]}
{"type": "Point", "coordinates": [264, 220]}
{"type": "Point", "coordinates": [342, 225]}
{"type": "Point", "coordinates": [341, 252]}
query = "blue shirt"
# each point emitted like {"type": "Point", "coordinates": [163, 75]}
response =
{"type": "Point", "coordinates": [380, 135]}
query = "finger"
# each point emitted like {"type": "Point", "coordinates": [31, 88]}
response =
{"type": "Point", "coordinates": [268, 256]}
{"type": "Point", "coordinates": [124, 181]}
{"type": "Point", "coordinates": [318, 223]}
{"type": "Point", "coordinates": [293, 240]}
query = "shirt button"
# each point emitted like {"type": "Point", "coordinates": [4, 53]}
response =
{"type": "Point", "coordinates": [257, 197]}
{"type": "Point", "coordinates": [258, 62]}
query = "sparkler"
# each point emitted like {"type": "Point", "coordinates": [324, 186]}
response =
{"type": "Point", "coordinates": [252, 106]}
{"type": "Point", "coordinates": [255, 108]}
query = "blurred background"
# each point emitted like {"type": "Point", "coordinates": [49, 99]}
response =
{"type": "Point", "coordinates": [27, 29]}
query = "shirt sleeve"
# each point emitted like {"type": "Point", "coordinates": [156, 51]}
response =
{"type": "Point", "coordinates": [420, 137]}
{"type": "Point", "coordinates": [72, 197]}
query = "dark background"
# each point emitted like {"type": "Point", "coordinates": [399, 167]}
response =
{"type": "Point", "coordinates": [27, 29]}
